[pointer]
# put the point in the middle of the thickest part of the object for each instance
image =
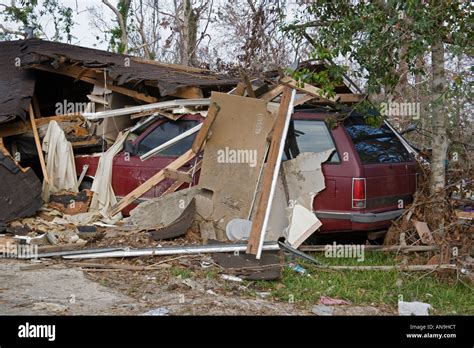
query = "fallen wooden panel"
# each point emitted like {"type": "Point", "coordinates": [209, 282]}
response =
{"type": "Point", "coordinates": [150, 183]}
{"type": "Point", "coordinates": [177, 175]}
{"type": "Point", "coordinates": [270, 175]}
{"type": "Point", "coordinates": [20, 190]}
{"type": "Point", "coordinates": [424, 232]}
{"type": "Point", "coordinates": [38, 145]}
{"type": "Point", "coordinates": [179, 227]}
{"type": "Point", "coordinates": [234, 155]}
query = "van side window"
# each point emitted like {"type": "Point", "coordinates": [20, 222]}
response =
{"type": "Point", "coordinates": [375, 145]}
{"type": "Point", "coordinates": [165, 132]}
{"type": "Point", "coordinates": [308, 136]}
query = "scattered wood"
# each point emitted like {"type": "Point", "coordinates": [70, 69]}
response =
{"type": "Point", "coordinates": [424, 232]}
{"type": "Point", "coordinates": [150, 183]}
{"type": "Point", "coordinates": [177, 175]}
{"type": "Point", "coordinates": [177, 184]}
{"type": "Point", "coordinates": [270, 173]}
{"type": "Point", "coordinates": [38, 145]}
{"type": "Point", "coordinates": [248, 85]}
{"type": "Point", "coordinates": [272, 94]}
{"type": "Point", "coordinates": [239, 90]}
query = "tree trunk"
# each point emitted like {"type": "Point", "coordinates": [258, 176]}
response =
{"type": "Point", "coordinates": [439, 142]}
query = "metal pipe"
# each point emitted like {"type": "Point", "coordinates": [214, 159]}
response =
{"type": "Point", "coordinates": [170, 142]}
{"type": "Point", "coordinates": [142, 108]}
{"type": "Point", "coordinates": [192, 249]}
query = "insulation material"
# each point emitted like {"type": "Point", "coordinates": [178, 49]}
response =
{"type": "Point", "coordinates": [234, 155]}
{"type": "Point", "coordinates": [104, 196]}
{"type": "Point", "coordinates": [299, 181]}
{"type": "Point", "coordinates": [59, 162]}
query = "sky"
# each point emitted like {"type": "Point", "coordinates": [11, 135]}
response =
{"type": "Point", "coordinates": [84, 33]}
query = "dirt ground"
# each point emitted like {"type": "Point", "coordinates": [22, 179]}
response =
{"type": "Point", "coordinates": [57, 288]}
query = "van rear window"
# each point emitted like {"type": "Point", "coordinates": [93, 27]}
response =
{"type": "Point", "coordinates": [375, 145]}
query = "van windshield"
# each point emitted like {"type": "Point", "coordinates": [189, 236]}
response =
{"type": "Point", "coordinates": [375, 145]}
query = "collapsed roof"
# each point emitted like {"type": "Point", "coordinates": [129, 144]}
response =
{"type": "Point", "coordinates": [140, 79]}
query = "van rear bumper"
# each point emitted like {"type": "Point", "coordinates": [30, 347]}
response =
{"type": "Point", "coordinates": [365, 218]}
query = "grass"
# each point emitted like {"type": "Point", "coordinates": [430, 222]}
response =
{"type": "Point", "coordinates": [371, 287]}
{"type": "Point", "coordinates": [181, 272]}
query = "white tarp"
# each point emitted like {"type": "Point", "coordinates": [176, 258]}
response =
{"type": "Point", "coordinates": [104, 196]}
{"type": "Point", "coordinates": [59, 162]}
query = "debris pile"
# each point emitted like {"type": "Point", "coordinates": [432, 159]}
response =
{"type": "Point", "coordinates": [441, 227]}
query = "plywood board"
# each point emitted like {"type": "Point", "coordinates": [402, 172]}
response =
{"type": "Point", "coordinates": [234, 154]}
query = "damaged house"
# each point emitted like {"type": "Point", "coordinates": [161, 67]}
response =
{"type": "Point", "coordinates": [251, 160]}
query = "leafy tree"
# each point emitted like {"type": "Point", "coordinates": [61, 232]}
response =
{"type": "Point", "coordinates": [27, 16]}
{"type": "Point", "coordinates": [382, 35]}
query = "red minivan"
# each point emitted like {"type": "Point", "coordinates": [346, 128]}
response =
{"type": "Point", "coordinates": [369, 178]}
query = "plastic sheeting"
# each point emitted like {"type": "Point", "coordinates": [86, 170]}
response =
{"type": "Point", "coordinates": [59, 162]}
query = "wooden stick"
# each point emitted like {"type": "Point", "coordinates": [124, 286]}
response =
{"type": "Point", "coordinates": [275, 92]}
{"type": "Point", "coordinates": [306, 88]}
{"type": "Point", "coordinates": [38, 145]}
{"type": "Point", "coordinates": [247, 83]}
{"type": "Point", "coordinates": [178, 183]}
{"type": "Point", "coordinates": [150, 183]}
{"type": "Point", "coordinates": [270, 174]}
{"type": "Point", "coordinates": [206, 126]}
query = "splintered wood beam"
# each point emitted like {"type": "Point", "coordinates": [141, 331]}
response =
{"type": "Point", "coordinates": [239, 90]}
{"type": "Point", "coordinates": [206, 126]}
{"type": "Point", "coordinates": [306, 88]}
{"type": "Point", "coordinates": [247, 83]}
{"type": "Point", "coordinates": [20, 127]}
{"type": "Point", "coordinates": [150, 183]}
{"type": "Point", "coordinates": [177, 175]}
{"type": "Point", "coordinates": [270, 174]}
{"type": "Point", "coordinates": [272, 94]}
{"type": "Point", "coordinates": [177, 184]}
{"type": "Point", "coordinates": [89, 76]}
{"type": "Point", "coordinates": [38, 145]}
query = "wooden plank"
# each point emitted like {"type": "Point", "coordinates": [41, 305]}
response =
{"type": "Point", "coordinates": [189, 92]}
{"type": "Point", "coordinates": [203, 132]}
{"type": "Point", "coordinates": [38, 145]}
{"type": "Point", "coordinates": [424, 232]}
{"type": "Point", "coordinates": [239, 90]}
{"type": "Point", "coordinates": [150, 183]}
{"type": "Point", "coordinates": [247, 83]}
{"type": "Point", "coordinates": [96, 79]}
{"type": "Point", "coordinates": [275, 92]}
{"type": "Point", "coordinates": [270, 173]}
{"type": "Point", "coordinates": [20, 127]}
{"type": "Point", "coordinates": [306, 88]}
{"type": "Point", "coordinates": [177, 175]}
{"type": "Point", "coordinates": [177, 184]}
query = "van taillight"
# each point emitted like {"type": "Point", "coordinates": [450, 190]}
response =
{"type": "Point", "coordinates": [358, 192]}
